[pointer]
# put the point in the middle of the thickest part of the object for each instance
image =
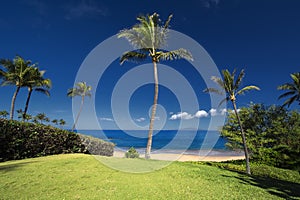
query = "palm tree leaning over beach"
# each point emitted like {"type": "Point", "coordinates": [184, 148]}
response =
{"type": "Point", "coordinates": [81, 89]}
{"type": "Point", "coordinates": [293, 90]}
{"type": "Point", "coordinates": [149, 37]}
{"type": "Point", "coordinates": [15, 72]}
{"type": "Point", "coordinates": [36, 82]}
{"type": "Point", "coordinates": [231, 87]}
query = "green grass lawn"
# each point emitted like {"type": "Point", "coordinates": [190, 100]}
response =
{"type": "Point", "coordinates": [79, 176]}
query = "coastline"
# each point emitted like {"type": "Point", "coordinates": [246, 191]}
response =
{"type": "Point", "coordinates": [189, 155]}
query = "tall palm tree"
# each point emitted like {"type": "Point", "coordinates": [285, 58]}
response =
{"type": "Point", "coordinates": [81, 89]}
{"type": "Point", "coordinates": [36, 82]}
{"type": "Point", "coordinates": [149, 36]}
{"type": "Point", "coordinates": [231, 87]}
{"type": "Point", "coordinates": [293, 90]}
{"type": "Point", "coordinates": [15, 73]}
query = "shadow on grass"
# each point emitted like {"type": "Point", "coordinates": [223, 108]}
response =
{"type": "Point", "coordinates": [13, 166]}
{"type": "Point", "coordinates": [280, 188]}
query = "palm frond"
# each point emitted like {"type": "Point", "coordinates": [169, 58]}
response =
{"type": "Point", "coordinates": [289, 101]}
{"type": "Point", "coordinates": [247, 88]}
{"type": "Point", "coordinates": [175, 54]}
{"type": "Point", "coordinates": [133, 56]}
{"type": "Point", "coordinates": [219, 81]}
{"type": "Point", "coordinates": [167, 23]}
{"type": "Point", "coordinates": [213, 90]}
{"type": "Point", "coordinates": [43, 91]}
{"type": "Point", "coordinates": [286, 86]}
{"type": "Point", "coordinates": [223, 101]}
{"type": "Point", "coordinates": [228, 80]}
{"type": "Point", "coordinates": [239, 79]}
{"type": "Point", "coordinates": [287, 94]}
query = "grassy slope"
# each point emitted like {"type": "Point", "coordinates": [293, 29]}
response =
{"type": "Point", "coordinates": [78, 176]}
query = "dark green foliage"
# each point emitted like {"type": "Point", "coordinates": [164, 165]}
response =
{"type": "Point", "coordinates": [273, 134]}
{"type": "Point", "coordinates": [96, 146]}
{"type": "Point", "coordinates": [20, 140]}
{"type": "Point", "coordinates": [132, 153]}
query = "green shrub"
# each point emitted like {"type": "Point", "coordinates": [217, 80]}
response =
{"type": "Point", "coordinates": [96, 146]}
{"type": "Point", "coordinates": [20, 140]}
{"type": "Point", "coordinates": [132, 153]}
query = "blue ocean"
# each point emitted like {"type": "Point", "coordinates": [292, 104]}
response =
{"type": "Point", "coordinates": [163, 139]}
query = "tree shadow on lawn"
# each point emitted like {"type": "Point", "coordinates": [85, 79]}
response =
{"type": "Point", "coordinates": [13, 166]}
{"type": "Point", "coordinates": [280, 188]}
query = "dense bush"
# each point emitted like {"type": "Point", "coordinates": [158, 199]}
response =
{"type": "Point", "coordinates": [96, 146]}
{"type": "Point", "coordinates": [20, 140]}
{"type": "Point", "coordinates": [273, 134]}
{"type": "Point", "coordinates": [132, 153]}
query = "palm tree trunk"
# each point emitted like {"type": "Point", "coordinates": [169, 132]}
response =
{"type": "Point", "coordinates": [27, 102]}
{"type": "Point", "coordinates": [80, 109]}
{"type": "Point", "coordinates": [13, 100]}
{"type": "Point", "coordinates": [248, 171]}
{"type": "Point", "coordinates": [150, 133]}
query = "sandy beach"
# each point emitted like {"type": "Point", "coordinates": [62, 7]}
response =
{"type": "Point", "coordinates": [215, 156]}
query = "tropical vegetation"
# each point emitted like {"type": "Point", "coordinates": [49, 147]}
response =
{"type": "Point", "coordinates": [19, 140]}
{"type": "Point", "coordinates": [149, 37]}
{"type": "Point", "coordinates": [16, 72]}
{"type": "Point", "coordinates": [230, 84]}
{"type": "Point", "coordinates": [273, 134]}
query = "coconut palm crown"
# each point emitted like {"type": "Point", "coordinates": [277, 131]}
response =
{"type": "Point", "coordinates": [15, 72]}
{"type": "Point", "coordinates": [36, 82]}
{"type": "Point", "coordinates": [232, 89]}
{"type": "Point", "coordinates": [293, 90]}
{"type": "Point", "coordinates": [149, 37]}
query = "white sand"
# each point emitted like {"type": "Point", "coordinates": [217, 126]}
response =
{"type": "Point", "coordinates": [188, 157]}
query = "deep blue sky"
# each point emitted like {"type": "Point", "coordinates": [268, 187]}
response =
{"type": "Point", "coordinates": [262, 36]}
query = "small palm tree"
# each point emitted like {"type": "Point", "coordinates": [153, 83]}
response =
{"type": "Point", "coordinates": [36, 82]}
{"type": "Point", "coordinates": [82, 90]}
{"type": "Point", "coordinates": [293, 90]}
{"type": "Point", "coordinates": [3, 113]}
{"type": "Point", "coordinates": [62, 123]}
{"type": "Point", "coordinates": [15, 73]}
{"type": "Point", "coordinates": [41, 117]}
{"type": "Point", "coordinates": [55, 121]}
{"type": "Point", "coordinates": [149, 36]}
{"type": "Point", "coordinates": [231, 87]}
{"type": "Point", "coordinates": [20, 113]}
{"type": "Point", "coordinates": [27, 117]}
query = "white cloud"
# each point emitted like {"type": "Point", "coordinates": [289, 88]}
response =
{"type": "Point", "coordinates": [181, 115]}
{"type": "Point", "coordinates": [201, 113]}
{"type": "Point", "coordinates": [141, 119]}
{"type": "Point", "coordinates": [106, 119]}
{"type": "Point", "coordinates": [213, 112]}
{"type": "Point", "coordinates": [223, 111]}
